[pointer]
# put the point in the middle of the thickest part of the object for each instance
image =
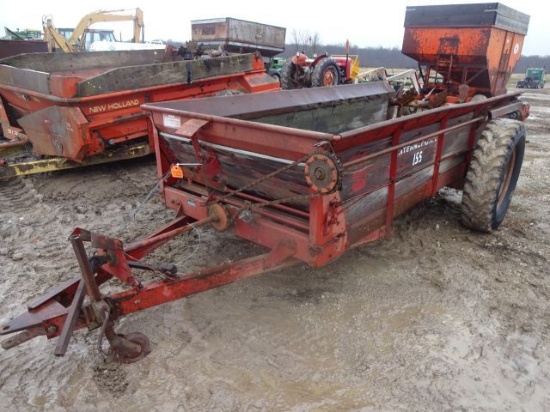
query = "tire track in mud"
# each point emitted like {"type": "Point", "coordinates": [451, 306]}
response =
{"type": "Point", "coordinates": [37, 216]}
{"type": "Point", "coordinates": [32, 378]}
{"type": "Point", "coordinates": [496, 270]}
{"type": "Point", "coordinates": [30, 251]}
{"type": "Point", "coordinates": [32, 258]}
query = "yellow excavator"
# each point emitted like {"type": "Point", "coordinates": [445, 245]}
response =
{"type": "Point", "coordinates": [82, 37]}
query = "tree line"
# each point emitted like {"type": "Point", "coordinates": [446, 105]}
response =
{"type": "Point", "coordinates": [390, 57]}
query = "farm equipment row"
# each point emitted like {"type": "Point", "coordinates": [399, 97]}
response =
{"type": "Point", "coordinates": [307, 174]}
{"type": "Point", "coordinates": [73, 109]}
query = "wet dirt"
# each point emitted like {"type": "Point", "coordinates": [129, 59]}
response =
{"type": "Point", "coordinates": [438, 318]}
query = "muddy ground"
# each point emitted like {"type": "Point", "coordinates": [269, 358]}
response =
{"type": "Point", "coordinates": [438, 318]}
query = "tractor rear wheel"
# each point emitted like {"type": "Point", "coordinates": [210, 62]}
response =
{"type": "Point", "coordinates": [275, 75]}
{"type": "Point", "coordinates": [492, 174]}
{"type": "Point", "coordinates": [292, 76]}
{"type": "Point", "coordinates": [325, 73]}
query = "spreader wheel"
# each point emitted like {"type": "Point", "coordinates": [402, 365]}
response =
{"type": "Point", "coordinates": [492, 174]}
{"type": "Point", "coordinates": [125, 355]}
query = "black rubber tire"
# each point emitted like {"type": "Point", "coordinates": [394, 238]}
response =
{"type": "Point", "coordinates": [291, 76]}
{"type": "Point", "coordinates": [275, 75]}
{"type": "Point", "coordinates": [492, 174]}
{"type": "Point", "coordinates": [326, 73]}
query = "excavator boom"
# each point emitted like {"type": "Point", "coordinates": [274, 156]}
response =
{"type": "Point", "coordinates": [75, 43]}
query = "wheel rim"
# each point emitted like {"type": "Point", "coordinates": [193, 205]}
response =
{"type": "Point", "coordinates": [328, 78]}
{"type": "Point", "coordinates": [138, 338]}
{"type": "Point", "coordinates": [507, 179]}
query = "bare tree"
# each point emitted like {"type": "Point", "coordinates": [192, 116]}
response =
{"type": "Point", "coordinates": [305, 41]}
{"type": "Point", "coordinates": [315, 42]}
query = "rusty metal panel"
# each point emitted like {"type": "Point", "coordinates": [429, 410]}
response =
{"type": "Point", "coordinates": [25, 79]}
{"type": "Point", "coordinates": [236, 35]}
{"type": "Point", "coordinates": [71, 62]}
{"type": "Point", "coordinates": [364, 177]}
{"type": "Point", "coordinates": [474, 44]}
{"type": "Point", "coordinates": [57, 131]}
{"type": "Point", "coordinates": [14, 47]}
{"type": "Point", "coordinates": [483, 57]}
{"type": "Point", "coordinates": [238, 168]}
{"type": "Point", "coordinates": [365, 213]}
{"type": "Point", "coordinates": [456, 141]}
{"type": "Point", "coordinates": [151, 75]}
{"type": "Point", "coordinates": [467, 15]}
{"type": "Point", "coordinates": [57, 73]}
{"type": "Point", "coordinates": [266, 107]}
{"type": "Point", "coordinates": [466, 45]}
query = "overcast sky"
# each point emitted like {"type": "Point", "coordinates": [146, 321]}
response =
{"type": "Point", "coordinates": [364, 23]}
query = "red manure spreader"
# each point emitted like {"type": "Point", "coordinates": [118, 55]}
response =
{"type": "Point", "coordinates": [308, 174]}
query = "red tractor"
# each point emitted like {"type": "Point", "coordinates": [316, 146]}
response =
{"type": "Point", "coordinates": [323, 70]}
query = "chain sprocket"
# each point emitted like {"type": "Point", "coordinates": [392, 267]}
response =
{"type": "Point", "coordinates": [323, 173]}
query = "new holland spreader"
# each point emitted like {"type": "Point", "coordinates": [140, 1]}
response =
{"type": "Point", "coordinates": [68, 110]}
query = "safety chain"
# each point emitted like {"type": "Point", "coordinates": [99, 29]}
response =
{"type": "Point", "coordinates": [263, 179]}
{"type": "Point", "coordinates": [269, 176]}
